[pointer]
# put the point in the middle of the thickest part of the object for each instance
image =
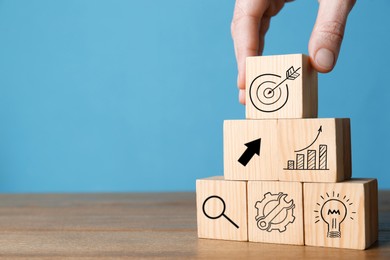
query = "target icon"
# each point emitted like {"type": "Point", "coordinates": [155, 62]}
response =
{"type": "Point", "coordinates": [268, 93]}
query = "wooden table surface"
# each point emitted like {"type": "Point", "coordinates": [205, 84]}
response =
{"type": "Point", "coordinates": [139, 225]}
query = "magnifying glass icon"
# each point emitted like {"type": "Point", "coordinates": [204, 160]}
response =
{"type": "Point", "coordinates": [221, 213]}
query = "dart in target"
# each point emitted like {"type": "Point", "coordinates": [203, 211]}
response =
{"type": "Point", "coordinates": [269, 92]}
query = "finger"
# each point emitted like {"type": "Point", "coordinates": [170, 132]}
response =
{"type": "Point", "coordinates": [245, 30]}
{"type": "Point", "coordinates": [241, 96]}
{"type": "Point", "coordinates": [264, 26]}
{"type": "Point", "coordinates": [328, 33]}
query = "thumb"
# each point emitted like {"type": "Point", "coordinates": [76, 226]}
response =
{"type": "Point", "coordinates": [328, 33]}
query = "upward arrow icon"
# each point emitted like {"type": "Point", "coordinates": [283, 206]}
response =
{"type": "Point", "coordinates": [253, 148]}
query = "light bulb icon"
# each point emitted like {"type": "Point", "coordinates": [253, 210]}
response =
{"type": "Point", "coordinates": [333, 212]}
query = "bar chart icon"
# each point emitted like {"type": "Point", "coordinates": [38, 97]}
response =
{"type": "Point", "coordinates": [309, 160]}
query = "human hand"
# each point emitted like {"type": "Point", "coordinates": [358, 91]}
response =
{"type": "Point", "coordinates": [251, 21]}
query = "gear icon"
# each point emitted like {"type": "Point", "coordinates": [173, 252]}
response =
{"type": "Point", "coordinates": [274, 212]}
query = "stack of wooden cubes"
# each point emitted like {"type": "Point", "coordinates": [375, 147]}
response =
{"type": "Point", "coordinates": [287, 173]}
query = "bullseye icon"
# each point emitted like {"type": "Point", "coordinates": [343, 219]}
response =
{"type": "Point", "coordinates": [269, 92]}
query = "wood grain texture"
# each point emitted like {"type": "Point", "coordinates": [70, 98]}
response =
{"type": "Point", "coordinates": [341, 214]}
{"type": "Point", "coordinates": [266, 198]}
{"type": "Point", "coordinates": [138, 226]}
{"type": "Point", "coordinates": [226, 214]}
{"type": "Point", "coordinates": [327, 157]}
{"type": "Point", "coordinates": [334, 139]}
{"type": "Point", "coordinates": [239, 132]}
{"type": "Point", "coordinates": [296, 97]}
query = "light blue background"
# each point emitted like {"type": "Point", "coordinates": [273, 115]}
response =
{"type": "Point", "coordinates": [131, 95]}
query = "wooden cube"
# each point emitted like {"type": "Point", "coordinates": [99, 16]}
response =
{"type": "Point", "coordinates": [342, 214]}
{"type": "Point", "coordinates": [249, 152]}
{"type": "Point", "coordinates": [222, 209]}
{"type": "Point", "coordinates": [305, 150]}
{"type": "Point", "coordinates": [275, 212]}
{"type": "Point", "coordinates": [314, 150]}
{"type": "Point", "coordinates": [282, 86]}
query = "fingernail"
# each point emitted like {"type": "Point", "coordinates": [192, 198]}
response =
{"type": "Point", "coordinates": [325, 58]}
{"type": "Point", "coordinates": [238, 79]}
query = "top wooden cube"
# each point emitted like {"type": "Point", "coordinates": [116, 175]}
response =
{"type": "Point", "coordinates": [282, 86]}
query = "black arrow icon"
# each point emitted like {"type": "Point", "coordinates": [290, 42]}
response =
{"type": "Point", "coordinates": [253, 148]}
